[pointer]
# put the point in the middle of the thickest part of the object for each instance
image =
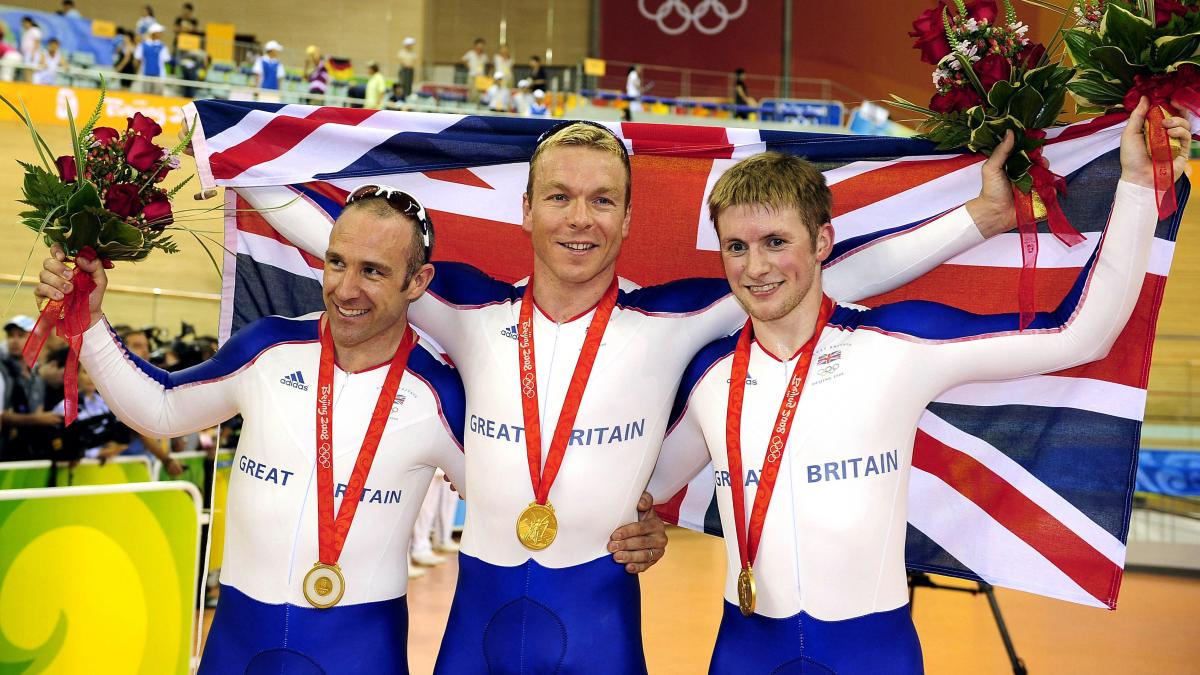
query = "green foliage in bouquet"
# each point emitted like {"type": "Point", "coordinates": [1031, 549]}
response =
{"type": "Point", "coordinates": [1123, 50]}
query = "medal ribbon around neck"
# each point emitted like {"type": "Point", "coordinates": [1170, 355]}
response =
{"type": "Point", "coordinates": [331, 533]}
{"type": "Point", "coordinates": [748, 540]}
{"type": "Point", "coordinates": [543, 478]}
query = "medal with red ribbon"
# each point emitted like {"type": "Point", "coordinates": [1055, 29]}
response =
{"type": "Point", "coordinates": [748, 535]}
{"type": "Point", "coordinates": [324, 583]}
{"type": "Point", "coordinates": [537, 526]}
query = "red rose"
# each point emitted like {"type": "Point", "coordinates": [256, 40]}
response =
{"type": "Point", "coordinates": [122, 199]}
{"type": "Point", "coordinates": [158, 213]}
{"type": "Point", "coordinates": [1031, 54]}
{"type": "Point", "coordinates": [1165, 9]}
{"type": "Point", "coordinates": [66, 168]}
{"type": "Point", "coordinates": [992, 69]}
{"type": "Point", "coordinates": [143, 126]}
{"type": "Point", "coordinates": [140, 153]}
{"type": "Point", "coordinates": [983, 9]}
{"type": "Point", "coordinates": [105, 135]}
{"type": "Point", "coordinates": [958, 98]}
{"type": "Point", "coordinates": [931, 35]}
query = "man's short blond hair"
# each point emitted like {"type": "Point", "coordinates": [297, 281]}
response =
{"type": "Point", "coordinates": [583, 135]}
{"type": "Point", "coordinates": [777, 181]}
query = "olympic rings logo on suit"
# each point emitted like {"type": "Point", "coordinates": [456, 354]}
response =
{"type": "Point", "coordinates": [692, 17]}
{"type": "Point", "coordinates": [828, 370]}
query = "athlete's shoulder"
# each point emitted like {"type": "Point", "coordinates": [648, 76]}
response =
{"type": "Point", "coordinates": [682, 297]}
{"type": "Point", "coordinates": [466, 286]}
{"type": "Point", "coordinates": [701, 364]}
{"type": "Point", "coordinates": [444, 381]}
{"type": "Point", "coordinates": [925, 320]}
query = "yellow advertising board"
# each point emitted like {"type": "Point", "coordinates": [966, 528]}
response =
{"type": "Point", "coordinates": [98, 579]}
{"type": "Point", "coordinates": [595, 67]}
{"type": "Point", "coordinates": [48, 105]}
{"type": "Point", "coordinates": [104, 29]}
{"type": "Point", "coordinates": [218, 41]}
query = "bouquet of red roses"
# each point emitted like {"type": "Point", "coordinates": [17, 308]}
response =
{"type": "Point", "coordinates": [1125, 50]}
{"type": "Point", "coordinates": [103, 201]}
{"type": "Point", "coordinates": [990, 78]}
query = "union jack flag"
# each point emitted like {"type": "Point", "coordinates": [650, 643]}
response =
{"type": "Point", "coordinates": [1025, 484]}
{"type": "Point", "coordinates": [826, 359]}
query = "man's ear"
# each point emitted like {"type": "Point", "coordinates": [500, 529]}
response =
{"type": "Point", "coordinates": [824, 242]}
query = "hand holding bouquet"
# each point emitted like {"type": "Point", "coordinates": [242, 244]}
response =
{"type": "Point", "coordinates": [102, 201]}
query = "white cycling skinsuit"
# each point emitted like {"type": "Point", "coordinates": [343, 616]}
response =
{"type": "Point", "coordinates": [268, 372]}
{"type": "Point", "coordinates": [832, 593]}
{"type": "Point", "coordinates": [517, 611]}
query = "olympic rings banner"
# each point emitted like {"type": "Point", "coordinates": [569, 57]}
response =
{"type": "Point", "coordinates": [704, 34]}
{"type": "Point", "coordinates": [98, 579]}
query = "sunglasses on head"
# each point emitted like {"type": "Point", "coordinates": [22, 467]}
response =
{"type": "Point", "coordinates": [563, 125]}
{"type": "Point", "coordinates": [402, 202]}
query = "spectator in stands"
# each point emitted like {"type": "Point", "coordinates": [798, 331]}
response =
{"type": "Point", "coordinates": [152, 56]}
{"type": "Point", "coordinates": [537, 74]}
{"type": "Point", "coordinates": [522, 98]}
{"type": "Point", "coordinates": [49, 61]}
{"type": "Point", "coordinates": [123, 61]}
{"type": "Point", "coordinates": [397, 98]}
{"type": "Point", "coordinates": [10, 58]}
{"type": "Point", "coordinates": [475, 61]}
{"type": "Point", "coordinates": [187, 22]}
{"type": "Point", "coordinates": [24, 412]}
{"type": "Point", "coordinates": [268, 71]}
{"type": "Point", "coordinates": [502, 63]}
{"type": "Point", "coordinates": [96, 433]}
{"type": "Point", "coordinates": [538, 107]}
{"type": "Point", "coordinates": [742, 97]}
{"type": "Point", "coordinates": [633, 89]}
{"type": "Point", "coordinates": [407, 56]}
{"type": "Point", "coordinates": [316, 71]}
{"type": "Point", "coordinates": [31, 41]}
{"type": "Point", "coordinates": [68, 9]}
{"type": "Point", "coordinates": [377, 87]}
{"type": "Point", "coordinates": [145, 22]}
{"type": "Point", "coordinates": [496, 96]}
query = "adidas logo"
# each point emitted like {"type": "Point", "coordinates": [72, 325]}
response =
{"type": "Point", "coordinates": [750, 381]}
{"type": "Point", "coordinates": [295, 380]}
{"type": "Point", "coordinates": [510, 332]}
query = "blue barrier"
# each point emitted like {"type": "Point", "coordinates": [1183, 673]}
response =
{"type": "Point", "coordinates": [74, 33]}
{"type": "Point", "coordinates": [1169, 472]}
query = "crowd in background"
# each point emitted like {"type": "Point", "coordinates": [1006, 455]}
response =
{"type": "Point", "coordinates": [145, 51]}
{"type": "Point", "coordinates": [31, 425]}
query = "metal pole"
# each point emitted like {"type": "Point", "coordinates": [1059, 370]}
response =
{"type": "Point", "coordinates": [785, 85]}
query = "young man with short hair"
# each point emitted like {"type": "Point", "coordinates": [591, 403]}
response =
{"type": "Point", "coordinates": [813, 459]}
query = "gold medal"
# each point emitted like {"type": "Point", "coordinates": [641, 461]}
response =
{"type": "Point", "coordinates": [537, 526]}
{"type": "Point", "coordinates": [324, 585]}
{"type": "Point", "coordinates": [747, 591]}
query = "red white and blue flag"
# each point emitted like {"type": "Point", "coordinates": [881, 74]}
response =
{"type": "Point", "coordinates": [1025, 484]}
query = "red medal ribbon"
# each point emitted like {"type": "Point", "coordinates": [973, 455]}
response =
{"type": "Point", "coordinates": [748, 540]}
{"type": "Point", "coordinates": [1179, 87]}
{"type": "Point", "coordinates": [1048, 186]}
{"type": "Point", "coordinates": [69, 319]}
{"type": "Point", "coordinates": [543, 478]}
{"type": "Point", "coordinates": [331, 533]}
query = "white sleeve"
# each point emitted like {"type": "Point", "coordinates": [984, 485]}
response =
{"type": "Point", "coordinates": [443, 312]}
{"type": "Point", "coordinates": [450, 459]}
{"type": "Point", "coordinates": [684, 452]}
{"type": "Point", "coordinates": [1084, 326]}
{"type": "Point", "coordinates": [892, 261]}
{"type": "Point", "coordinates": [144, 398]}
{"type": "Point", "coordinates": [257, 68]}
{"type": "Point", "coordinates": [138, 54]}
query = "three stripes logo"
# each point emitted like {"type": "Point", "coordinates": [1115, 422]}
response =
{"type": "Point", "coordinates": [295, 380]}
{"type": "Point", "coordinates": [510, 332]}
